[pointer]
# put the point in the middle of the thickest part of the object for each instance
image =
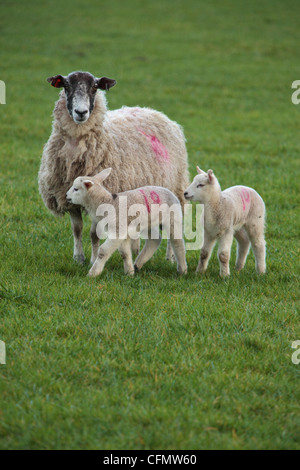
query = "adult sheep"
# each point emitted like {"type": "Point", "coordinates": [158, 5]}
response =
{"type": "Point", "coordinates": [142, 146]}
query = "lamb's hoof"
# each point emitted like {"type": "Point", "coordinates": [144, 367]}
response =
{"type": "Point", "coordinates": [91, 274]}
{"type": "Point", "coordinates": [182, 272]}
{"type": "Point", "coordinates": [80, 259]}
{"type": "Point", "coordinates": [136, 269]}
{"type": "Point", "coordinates": [200, 271]}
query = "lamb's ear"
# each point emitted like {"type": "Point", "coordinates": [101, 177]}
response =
{"type": "Point", "coordinates": [102, 175]}
{"type": "Point", "coordinates": [58, 81]}
{"type": "Point", "coordinates": [88, 184]}
{"type": "Point", "coordinates": [105, 83]}
{"type": "Point", "coordinates": [199, 170]}
{"type": "Point", "coordinates": [211, 176]}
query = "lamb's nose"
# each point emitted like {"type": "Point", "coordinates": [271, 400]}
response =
{"type": "Point", "coordinates": [81, 113]}
{"type": "Point", "coordinates": [185, 194]}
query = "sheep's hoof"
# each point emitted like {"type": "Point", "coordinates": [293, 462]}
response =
{"type": "Point", "coordinates": [92, 274]}
{"type": "Point", "coordinates": [80, 259]}
{"type": "Point", "coordinates": [182, 272]}
{"type": "Point", "coordinates": [200, 270]}
{"type": "Point", "coordinates": [224, 275]}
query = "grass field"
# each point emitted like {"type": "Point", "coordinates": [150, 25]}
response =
{"type": "Point", "coordinates": [157, 361]}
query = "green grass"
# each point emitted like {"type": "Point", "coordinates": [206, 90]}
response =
{"type": "Point", "coordinates": [157, 361]}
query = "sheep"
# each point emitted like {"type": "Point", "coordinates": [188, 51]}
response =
{"type": "Point", "coordinates": [89, 193]}
{"type": "Point", "coordinates": [86, 138]}
{"type": "Point", "coordinates": [237, 212]}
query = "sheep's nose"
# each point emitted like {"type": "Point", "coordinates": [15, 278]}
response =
{"type": "Point", "coordinates": [81, 113]}
{"type": "Point", "coordinates": [185, 194]}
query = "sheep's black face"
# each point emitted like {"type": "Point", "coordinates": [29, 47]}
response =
{"type": "Point", "coordinates": [81, 89]}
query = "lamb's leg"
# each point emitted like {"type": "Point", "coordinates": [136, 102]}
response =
{"type": "Point", "coordinates": [135, 246]}
{"type": "Point", "coordinates": [259, 249]}
{"type": "Point", "coordinates": [224, 253]}
{"type": "Point", "coordinates": [179, 250]}
{"type": "Point", "coordinates": [242, 249]}
{"type": "Point", "coordinates": [95, 242]}
{"type": "Point", "coordinates": [147, 252]}
{"type": "Point", "coordinates": [104, 253]}
{"type": "Point", "coordinates": [205, 253]}
{"type": "Point", "coordinates": [170, 253]}
{"type": "Point", "coordinates": [126, 253]}
{"type": "Point", "coordinates": [76, 222]}
{"type": "Point", "coordinates": [256, 235]}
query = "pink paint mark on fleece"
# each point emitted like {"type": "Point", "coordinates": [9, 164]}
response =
{"type": "Point", "coordinates": [146, 200]}
{"type": "Point", "coordinates": [245, 196]}
{"type": "Point", "coordinates": [155, 197]}
{"type": "Point", "coordinates": [158, 148]}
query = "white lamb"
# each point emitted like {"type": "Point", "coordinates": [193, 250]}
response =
{"type": "Point", "coordinates": [237, 212]}
{"type": "Point", "coordinates": [89, 193]}
{"type": "Point", "coordinates": [86, 138]}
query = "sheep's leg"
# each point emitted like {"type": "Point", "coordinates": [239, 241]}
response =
{"type": "Point", "coordinates": [95, 242]}
{"type": "Point", "coordinates": [205, 253]}
{"type": "Point", "coordinates": [259, 249]}
{"type": "Point", "coordinates": [170, 253]}
{"type": "Point", "coordinates": [224, 253]}
{"type": "Point", "coordinates": [135, 246]}
{"type": "Point", "coordinates": [104, 253]}
{"type": "Point", "coordinates": [77, 224]}
{"type": "Point", "coordinates": [179, 251]}
{"type": "Point", "coordinates": [147, 252]}
{"type": "Point", "coordinates": [242, 249]}
{"type": "Point", "coordinates": [256, 236]}
{"type": "Point", "coordinates": [126, 253]}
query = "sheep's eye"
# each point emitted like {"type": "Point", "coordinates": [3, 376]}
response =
{"type": "Point", "coordinates": [94, 89]}
{"type": "Point", "coordinates": [200, 185]}
{"type": "Point", "coordinates": [75, 189]}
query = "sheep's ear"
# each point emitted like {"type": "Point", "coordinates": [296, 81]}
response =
{"type": "Point", "coordinates": [211, 176]}
{"type": "Point", "coordinates": [58, 81]}
{"type": "Point", "coordinates": [199, 170]}
{"type": "Point", "coordinates": [105, 83]}
{"type": "Point", "coordinates": [88, 184]}
{"type": "Point", "coordinates": [102, 175]}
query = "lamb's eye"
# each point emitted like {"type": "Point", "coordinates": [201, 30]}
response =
{"type": "Point", "coordinates": [200, 185]}
{"type": "Point", "coordinates": [75, 189]}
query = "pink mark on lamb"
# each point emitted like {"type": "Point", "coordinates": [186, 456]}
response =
{"type": "Point", "coordinates": [158, 148]}
{"type": "Point", "coordinates": [245, 196]}
{"type": "Point", "coordinates": [146, 200]}
{"type": "Point", "coordinates": [154, 196]}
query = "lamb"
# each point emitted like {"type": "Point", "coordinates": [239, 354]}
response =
{"type": "Point", "coordinates": [89, 193]}
{"type": "Point", "coordinates": [86, 137]}
{"type": "Point", "coordinates": [237, 212]}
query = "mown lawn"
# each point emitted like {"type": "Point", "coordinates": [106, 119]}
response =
{"type": "Point", "coordinates": [157, 361]}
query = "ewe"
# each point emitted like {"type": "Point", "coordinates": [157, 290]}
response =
{"type": "Point", "coordinates": [86, 138]}
{"type": "Point", "coordinates": [237, 212]}
{"type": "Point", "coordinates": [157, 207]}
